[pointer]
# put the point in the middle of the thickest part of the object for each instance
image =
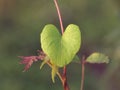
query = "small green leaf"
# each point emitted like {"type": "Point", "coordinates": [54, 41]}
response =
{"type": "Point", "coordinates": [46, 59]}
{"type": "Point", "coordinates": [54, 72]}
{"type": "Point", "coordinates": [97, 58]}
{"type": "Point", "coordinates": [61, 49]}
{"type": "Point", "coordinates": [76, 59]}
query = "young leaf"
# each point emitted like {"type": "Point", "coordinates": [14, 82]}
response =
{"type": "Point", "coordinates": [76, 59]}
{"type": "Point", "coordinates": [28, 61]}
{"type": "Point", "coordinates": [97, 58]}
{"type": "Point", "coordinates": [46, 59]}
{"type": "Point", "coordinates": [53, 72]}
{"type": "Point", "coordinates": [61, 49]}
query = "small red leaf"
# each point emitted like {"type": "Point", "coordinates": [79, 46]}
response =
{"type": "Point", "coordinates": [28, 61]}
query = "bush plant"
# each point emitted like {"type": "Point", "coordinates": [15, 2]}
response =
{"type": "Point", "coordinates": [58, 50]}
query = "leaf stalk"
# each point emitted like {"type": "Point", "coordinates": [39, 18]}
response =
{"type": "Point", "coordinates": [83, 73]}
{"type": "Point", "coordinates": [59, 15]}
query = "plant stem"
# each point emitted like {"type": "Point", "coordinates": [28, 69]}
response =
{"type": "Point", "coordinates": [83, 73]}
{"type": "Point", "coordinates": [59, 75]}
{"type": "Point", "coordinates": [59, 15]}
{"type": "Point", "coordinates": [64, 77]}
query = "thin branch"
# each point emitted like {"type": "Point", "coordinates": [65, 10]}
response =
{"type": "Point", "coordinates": [64, 77]}
{"type": "Point", "coordinates": [83, 73]}
{"type": "Point", "coordinates": [59, 15]}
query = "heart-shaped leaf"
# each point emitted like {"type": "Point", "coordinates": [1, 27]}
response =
{"type": "Point", "coordinates": [97, 58]}
{"type": "Point", "coordinates": [61, 49]}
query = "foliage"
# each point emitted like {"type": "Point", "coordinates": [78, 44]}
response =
{"type": "Point", "coordinates": [21, 22]}
{"type": "Point", "coordinates": [97, 58]}
{"type": "Point", "coordinates": [61, 49]}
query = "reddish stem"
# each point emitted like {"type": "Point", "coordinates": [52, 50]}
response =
{"type": "Point", "coordinates": [64, 77]}
{"type": "Point", "coordinates": [59, 15]}
{"type": "Point", "coordinates": [83, 73]}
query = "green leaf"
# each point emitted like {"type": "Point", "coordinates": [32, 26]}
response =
{"type": "Point", "coordinates": [97, 58]}
{"type": "Point", "coordinates": [46, 59]}
{"type": "Point", "coordinates": [61, 49]}
{"type": "Point", "coordinates": [76, 59]}
{"type": "Point", "coordinates": [54, 72]}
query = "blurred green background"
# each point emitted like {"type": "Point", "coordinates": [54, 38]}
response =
{"type": "Point", "coordinates": [21, 22]}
